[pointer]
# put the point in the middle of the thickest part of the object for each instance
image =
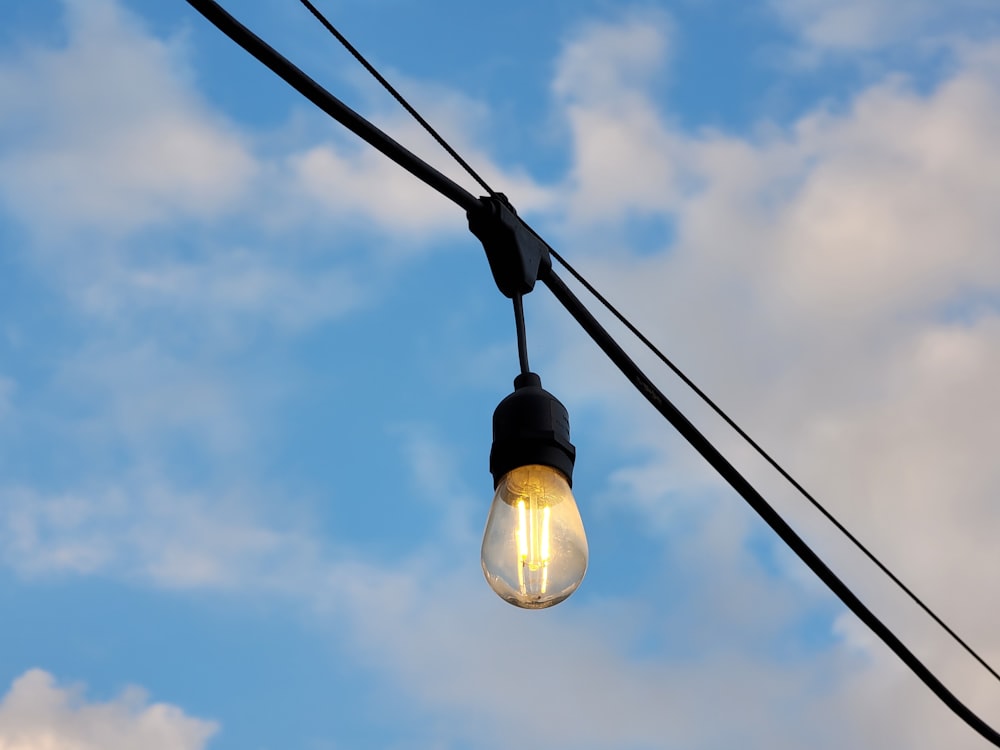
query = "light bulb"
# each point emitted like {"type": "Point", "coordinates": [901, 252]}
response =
{"type": "Point", "coordinates": [534, 548]}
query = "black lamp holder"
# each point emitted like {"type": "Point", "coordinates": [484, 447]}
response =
{"type": "Point", "coordinates": [531, 426]}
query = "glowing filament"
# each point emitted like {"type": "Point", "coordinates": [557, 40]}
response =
{"type": "Point", "coordinates": [532, 534]}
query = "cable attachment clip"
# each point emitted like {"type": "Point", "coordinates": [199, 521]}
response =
{"type": "Point", "coordinates": [517, 256]}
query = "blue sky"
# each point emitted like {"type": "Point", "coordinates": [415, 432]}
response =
{"type": "Point", "coordinates": [247, 370]}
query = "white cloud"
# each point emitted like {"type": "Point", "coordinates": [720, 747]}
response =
{"type": "Point", "coordinates": [39, 714]}
{"type": "Point", "coordinates": [846, 26]}
{"type": "Point", "coordinates": [352, 185]}
{"type": "Point", "coordinates": [623, 156]}
{"type": "Point", "coordinates": [365, 187]}
{"type": "Point", "coordinates": [148, 530]}
{"type": "Point", "coordinates": [101, 133]}
{"type": "Point", "coordinates": [603, 62]}
{"type": "Point", "coordinates": [228, 286]}
{"type": "Point", "coordinates": [896, 210]}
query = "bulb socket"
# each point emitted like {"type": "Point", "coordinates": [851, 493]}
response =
{"type": "Point", "coordinates": [531, 426]}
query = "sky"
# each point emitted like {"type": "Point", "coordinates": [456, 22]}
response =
{"type": "Point", "coordinates": [248, 367]}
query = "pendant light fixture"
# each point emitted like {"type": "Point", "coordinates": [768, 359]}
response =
{"type": "Point", "coordinates": [534, 548]}
{"type": "Point", "coordinates": [534, 551]}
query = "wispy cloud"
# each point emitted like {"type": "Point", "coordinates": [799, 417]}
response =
{"type": "Point", "coordinates": [623, 156]}
{"type": "Point", "coordinates": [102, 133]}
{"type": "Point", "coordinates": [835, 26]}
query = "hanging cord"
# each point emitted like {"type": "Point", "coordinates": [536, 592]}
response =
{"type": "Point", "coordinates": [774, 464]}
{"type": "Point", "coordinates": [396, 95]}
{"type": "Point", "coordinates": [522, 339]}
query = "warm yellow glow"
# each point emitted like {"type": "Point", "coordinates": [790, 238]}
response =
{"type": "Point", "coordinates": [544, 547]}
{"type": "Point", "coordinates": [522, 542]}
{"type": "Point", "coordinates": [532, 535]}
{"type": "Point", "coordinates": [522, 531]}
{"type": "Point", "coordinates": [534, 546]}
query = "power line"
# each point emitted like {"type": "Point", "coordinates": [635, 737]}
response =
{"type": "Point", "coordinates": [332, 106]}
{"type": "Point", "coordinates": [396, 95]}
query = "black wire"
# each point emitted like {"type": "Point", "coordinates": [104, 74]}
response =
{"type": "Point", "coordinates": [331, 105]}
{"type": "Point", "coordinates": [756, 501]}
{"type": "Point", "coordinates": [396, 95]}
{"type": "Point", "coordinates": [774, 464]}
{"type": "Point", "coordinates": [522, 339]}
{"type": "Point", "coordinates": [368, 132]}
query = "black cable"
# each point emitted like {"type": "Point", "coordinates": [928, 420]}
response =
{"type": "Point", "coordinates": [330, 104]}
{"type": "Point", "coordinates": [773, 463]}
{"type": "Point", "coordinates": [756, 501]}
{"type": "Point", "coordinates": [396, 95]}
{"type": "Point", "coordinates": [522, 339]}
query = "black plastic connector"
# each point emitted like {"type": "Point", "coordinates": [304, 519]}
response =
{"type": "Point", "coordinates": [516, 255]}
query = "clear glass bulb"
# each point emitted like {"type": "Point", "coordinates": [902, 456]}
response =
{"type": "Point", "coordinates": [534, 548]}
